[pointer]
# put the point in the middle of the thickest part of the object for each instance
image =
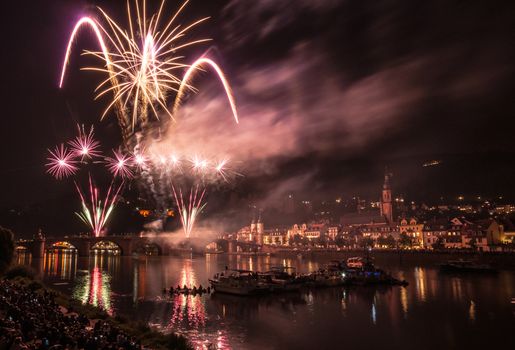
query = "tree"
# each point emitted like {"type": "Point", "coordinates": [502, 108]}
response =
{"type": "Point", "coordinates": [322, 239]}
{"type": "Point", "coordinates": [6, 248]}
{"type": "Point", "coordinates": [297, 240]}
{"type": "Point", "coordinates": [341, 241]}
{"type": "Point", "coordinates": [473, 243]}
{"type": "Point", "coordinates": [405, 241]}
{"type": "Point", "coordinates": [367, 242]}
{"type": "Point", "coordinates": [390, 241]}
{"type": "Point", "coordinates": [381, 241]}
{"type": "Point", "coordinates": [438, 245]}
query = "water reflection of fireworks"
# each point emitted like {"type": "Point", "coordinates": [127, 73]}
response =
{"type": "Point", "coordinates": [95, 289]}
{"type": "Point", "coordinates": [188, 310]}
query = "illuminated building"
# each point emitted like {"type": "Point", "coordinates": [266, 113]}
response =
{"type": "Point", "coordinates": [386, 199]}
{"type": "Point", "coordinates": [412, 229]}
{"type": "Point", "coordinates": [332, 232]}
{"type": "Point", "coordinates": [274, 237]}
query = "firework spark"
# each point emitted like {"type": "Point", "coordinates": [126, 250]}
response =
{"type": "Point", "coordinates": [98, 32]}
{"type": "Point", "coordinates": [95, 211]}
{"type": "Point", "coordinates": [120, 165]}
{"type": "Point", "coordinates": [221, 168]}
{"type": "Point", "coordinates": [61, 162]}
{"type": "Point", "coordinates": [199, 165]}
{"type": "Point", "coordinates": [202, 61]}
{"type": "Point", "coordinates": [84, 145]}
{"type": "Point", "coordinates": [140, 160]}
{"type": "Point", "coordinates": [189, 210]}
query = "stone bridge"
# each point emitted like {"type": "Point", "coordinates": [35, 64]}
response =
{"type": "Point", "coordinates": [234, 246]}
{"type": "Point", "coordinates": [126, 245]}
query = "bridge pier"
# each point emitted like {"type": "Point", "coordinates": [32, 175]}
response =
{"type": "Point", "coordinates": [231, 246]}
{"type": "Point", "coordinates": [125, 245]}
{"type": "Point", "coordinates": [37, 248]}
{"type": "Point", "coordinates": [83, 247]}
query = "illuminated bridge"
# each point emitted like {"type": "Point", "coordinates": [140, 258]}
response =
{"type": "Point", "coordinates": [84, 246]}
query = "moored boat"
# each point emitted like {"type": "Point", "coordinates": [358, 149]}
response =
{"type": "Point", "coordinates": [361, 271]}
{"type": "Point", "coordinates": [330, 276]}
{"type": "Point", "coordinates": [238, 282]}
{"type": "Point", "coordinates": [466, 266]}
{"type": "Point", "coordinates": [278, 279]}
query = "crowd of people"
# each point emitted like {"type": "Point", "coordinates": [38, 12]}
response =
{"type": "Point", "coordinates": [31, 319]}
{"type": "Point", "coordinates": [185, 290]}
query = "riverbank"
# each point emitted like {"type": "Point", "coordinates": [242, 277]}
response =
{"type": "Point", "coordinates": [500, 260]}
{"type": "Point", "coordinates": [33, 316]}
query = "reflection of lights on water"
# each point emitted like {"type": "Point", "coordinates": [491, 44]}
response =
{"type": "Point", "coordinates": [456, 289]}
{"type": "Point", "coordinates": [188, 308]}
{"type": "Point", "coordinates": [472, 311]}
{"type": "Point", "coordinates": [309, 299]}
{"type": "Point", "coordinates": [135, 283]}
{"type": "Point", "coordinates": [62, 263]}
{"type": "Point", "coordinates": [420, 282]}
{"type": "Point", "coordinates": [404, 301]}
{"type": "Point", "coordinates": [23, 257]}
{"type": "Point", "coordinates": [95, 289]}
{"type": "Point", "coordinates": [188, 277]}
{"type": "Point", "coordinates": [221, 341]}
{"type": "Point", "coordinates": [373, 313]}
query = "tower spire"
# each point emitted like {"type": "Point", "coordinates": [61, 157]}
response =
{"type": "Point", "coordinates": [386, 197]}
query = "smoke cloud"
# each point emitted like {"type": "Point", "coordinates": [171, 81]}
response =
{"type": "Point", "coordinates": [306, 107]}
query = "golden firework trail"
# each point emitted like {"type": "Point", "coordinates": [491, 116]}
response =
{"type": "Point", "coordinates": [142, 63]}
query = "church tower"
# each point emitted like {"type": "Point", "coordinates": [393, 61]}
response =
{"type": "Point", "coordinates": [386, 198]}
{"type": "Point", "coordinates": [260, 226]}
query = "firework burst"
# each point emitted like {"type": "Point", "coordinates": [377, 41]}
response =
{"type": "Point", "coordinates": [96, 210]}
{"type": "Point", "coordinates": [85, 145]}
{"type": "Point", "coordinates": [190, 208]}
{"type": "Point", "coordinates": [61, 162]}
{"type": "Point", "coordinates": [142, 64]}
{"type": "Point", "coordinates": [140, 160]}
{"type": "Point", "coordinates": [120, 165]}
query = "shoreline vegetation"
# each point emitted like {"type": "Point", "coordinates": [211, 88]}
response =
{"type": "Point", "coordinates": [139, 333]}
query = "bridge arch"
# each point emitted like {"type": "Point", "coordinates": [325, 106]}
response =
{"type": "Point", "coordinates": [106, 246]}
{"type": "Point", "coordinates": [148, 248]}
{"type": "Point", "coordinates": [63, 245]}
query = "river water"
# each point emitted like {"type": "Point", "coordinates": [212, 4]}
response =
{"type": "Point", "coordinates": [436, 311]}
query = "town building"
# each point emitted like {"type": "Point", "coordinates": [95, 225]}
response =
{"type": "Point", "coordinates": [275, 237]}
{"type": "Point", "coordinates": [433, 231]}
{"type": "Point", "coordinates": [414, 230]}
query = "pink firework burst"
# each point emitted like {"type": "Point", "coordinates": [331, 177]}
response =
{"type": "Point", "coordinates": [61, 162]}
{"type": "Point", "coordinates": [221, 168]}
{"type": "Point", "coordinates": [199, 165]}
{"type": "Point", "coordinates": [120, 165]}
{"type": "Point", "coordinates": [85, 145]}
{"type": "Point", "coordinates": [140, 160]}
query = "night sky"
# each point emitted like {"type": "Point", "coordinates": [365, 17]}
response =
{"type": "Point", "coordinates": [329, 92]}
